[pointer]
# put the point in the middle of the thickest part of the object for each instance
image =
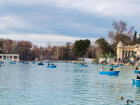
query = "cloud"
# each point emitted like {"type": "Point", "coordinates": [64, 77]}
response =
{"type": "Point", "coordinates": [65, 18]}
{"type": "Point", "coordinates": [41, 39]}
{"type": "Point", "coordinates": [105, 7]}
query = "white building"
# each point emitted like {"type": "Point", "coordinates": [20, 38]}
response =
{"type": "Point", "coordinates": [13, 57]}
{"type": "Point", "coordinates": [127, 51]}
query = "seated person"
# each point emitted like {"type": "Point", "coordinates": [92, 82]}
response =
{"type": "Point", "coordinates": [138, 76]}
{"type": "Point", "coordinates": [102, 69]}
{"type": "Point", "coordinates": [48, 64]}
{"type": "Point", "coordinates": [111, 69]}
{"type": "Point", "coordinates": [52, 63]}
{"type": "Point", "coordinates": [137, 68]}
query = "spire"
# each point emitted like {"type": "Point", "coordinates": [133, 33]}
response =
{"type": "Point", "coordinates": [120, 44]}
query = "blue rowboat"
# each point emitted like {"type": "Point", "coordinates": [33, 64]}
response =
{"type": "Point", "coordinates": [25, 63]}
{"type": "Point", "coordinates": [101, 64]}
{"type": "Point", "coordinates": [109, 72]}
{"type": "Point", "coordinates": [40, 64]}
{"type": "Point", "coordinates": [136, 81]}
{"type": "Point", "coordinates": [12, 63]}
{"type": "Point", "coordinates": [113, 65]}
{"type": "Point", "coordinates": [82, 65]}
{"type": "Point", "coordinates": [74, 62]}
{"type": "Point", "coordinates": [51, 66]}
{"type": "Point", "coordinates": [47, 62]}
{"type": "Point", "coordinates": [33, 62]}
{"type": "Point", "coordinates": [121, 65]}
{"type": "Point", "coordinates": [1, 62]}
{"type": "Point", "coordinates": [136, 71]}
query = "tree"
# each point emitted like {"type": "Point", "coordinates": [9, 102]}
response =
{"type": "Point", "coordinates": [138, 40]}
{"type": "Point", "coordinates": [104, 46]}
{"type": "Point", "coordinates": [1, 46]}
{"type": "Point", "coordinates": [120, 33]}
{"type": "Point", "coordinates": [80, 47]}
{"type": "Point", "coordinates": [134, 41]}
{"type": "Point", "coordinates": [66, 51]}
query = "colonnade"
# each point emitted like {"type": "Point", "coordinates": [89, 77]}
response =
{"type": "Point", "coordinates": [127, 53]}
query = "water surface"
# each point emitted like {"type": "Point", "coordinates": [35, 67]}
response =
{"type": "Point", "coordinates": [68, 84]}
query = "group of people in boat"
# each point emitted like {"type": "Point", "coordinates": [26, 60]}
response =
{"type": "Point", "coordinates": [138, 75]}
{"type": "Point", "coordinates": [49, 64]}
{"type": "Point", "coordinates": [41, 62]}
{"type": "Point", "coordinates": [111, 69]}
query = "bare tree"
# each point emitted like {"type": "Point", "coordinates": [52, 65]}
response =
{"type": "Point", "coordinates": [120, 30]}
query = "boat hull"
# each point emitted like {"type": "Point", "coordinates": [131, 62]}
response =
{"type": "Point", "coordinates": [74, 63]}
{"type": "Point", "coordinates": [136, 71]}
{"type": "Point", "coordinates": [51, 66]}
{"type": "Point", "coordinates": [121, 65]}
{"type": "Point", "coordinates": [40, 64]}
{"type": "Point", "coordinates": [82, 65]}
{"type": "Point", "coordinates": [113, 65]}
{"type": "Point", "coordinates": [136, 81]}
{"type": "Point", "coordinates": [109, 72]}
{"type": "Point", "coordinates": [12, 63]}
{"type": "Point", "coordinates": [25, 63]}
{"type": "Point", "coordinates": [102, 72]}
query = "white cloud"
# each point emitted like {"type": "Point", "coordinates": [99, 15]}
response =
{"type": "Point", "coordinates": [97, 6]}
{"type": "Point", "coordinates": [106, 7]}
{"type": "Point", "coordinates": [12, 21]}
{"type": "Point", "coordinates": [43, 39]}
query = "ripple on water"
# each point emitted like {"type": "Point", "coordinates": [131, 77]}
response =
{"type": "Point", "coordinates": [67, 84]}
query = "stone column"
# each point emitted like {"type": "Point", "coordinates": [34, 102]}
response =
{"type": "Point", "coordinates": [17, 57]}
{"type": "Point", "coordinates": [12, 57]}
{"type": "Point", "coordinates": [130, 54]}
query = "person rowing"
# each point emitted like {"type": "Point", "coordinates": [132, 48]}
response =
{"type": "Point", "coordinates": [138, 76]}
{"type": "Point", "coordinates": [111, 69]}
{"type": "Point", "coordinates": [102, 69]}
{"type": "Point", "coordinates": [137, 68]}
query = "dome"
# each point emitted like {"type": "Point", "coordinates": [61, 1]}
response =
{"type": "Point", "coordinates": [120, 44]}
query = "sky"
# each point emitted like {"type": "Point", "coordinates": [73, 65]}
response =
{"type": "Point", "coordinates": [61, 21]}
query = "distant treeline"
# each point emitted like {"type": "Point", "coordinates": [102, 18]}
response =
{"type": "Point", "coordinates": [72, 51]}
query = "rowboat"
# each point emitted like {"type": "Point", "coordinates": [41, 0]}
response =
{"type": "Point", "coordinates": [25, 63]}
{"type": "Point", "coordinates": [1, 62]}
{"type": "Point", "coordinates": [121, 65]}
{"type": "Point", "coordinates": [136, 71]}
{"type": "Point", "coordinates": [136, 81]}
{"type": "Point", "coordinates": [51, 66]}
{"type": "Point", "coordinates": [113, 65]}
{"type": "Point", "coordinates": [74, 62]}
{"type": "Point", "coordinates": [40, 64]}
{"type": "Point", "coordinates": [12, 63]}
{"type": "Point", "coordinates": [82, 65]}
{"type": "Point", "coordinates": [109, 72]}
{"type": "Point", "coordinates": [33, 62]}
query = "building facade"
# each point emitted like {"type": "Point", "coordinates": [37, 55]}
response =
{"type": "Point", "coordinates": [127, 51]}
{"type": "Point", "coordinates": [13, 57]}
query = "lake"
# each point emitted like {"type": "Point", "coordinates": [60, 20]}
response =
{"type": "Point", "coordinates": [67, 84]}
